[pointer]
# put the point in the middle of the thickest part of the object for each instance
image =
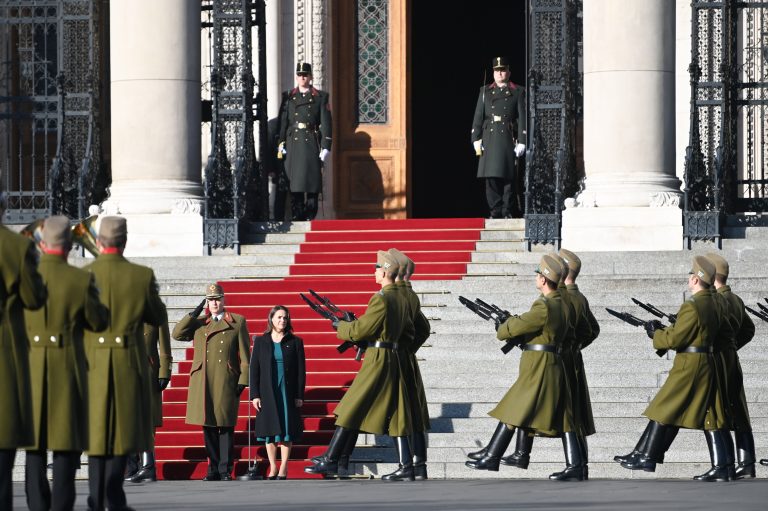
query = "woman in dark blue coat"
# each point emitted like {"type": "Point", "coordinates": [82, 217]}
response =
{"type": "Point", "coordinates": [277, 377]}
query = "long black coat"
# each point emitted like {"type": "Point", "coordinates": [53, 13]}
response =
{"type": "Point", "coordinates": [500, 122]}
{"type": "Point", "coordinates": [268, 421]}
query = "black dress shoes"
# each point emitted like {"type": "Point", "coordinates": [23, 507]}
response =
{"type": "Point", "coordinates": [212, 477]}
{"type": "Point", "coordinates": [226, 477]}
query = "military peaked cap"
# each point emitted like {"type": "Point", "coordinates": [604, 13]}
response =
{"type": "Point", "coordinates": [56, 231]}
{"type": "Point", "coordinates": [703, 269]}
{"type": "Point", "coordinates": [572, 260]}
{"type": "Point", "coordinates": [304, 68]}
{"type": "Point", "coordinates": [214, 291]}
{"type": "Point", "coordinates": [500, 63]}
{"type": "Point", "coordinates": [113, 230]}
{"type": "Point", "coordinates": [550, 268]}
{"type": "Point", "coordinates": [721, 265]}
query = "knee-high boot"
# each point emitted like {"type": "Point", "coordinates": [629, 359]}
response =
{"type": "Point", "coordinates": [419, 444]}
{"type": "Point", "coordinates": [522, 455]}
{"type": "Point", "coordinates": [405, 471]}
{"type": "Point", "coordinates": [482, 452]}
{"type": "Point", "coordinates": [638, 450]}
{"type": "Point", "coordinates": [574, 462]}
{"type": "Point", "coordinates": [496, 447]}
{"type": "Point", "coordinates": [718, 454]}
{"type": "Point", "coordinates": [147, 471]}
{"type": "Point", "coordinates": [328, 463]}
{"type": "Point", "coordinates": [745, 455]}
{"type": "Point", "coordinates": [653, 450]}
{"type": "Point", "coordinates": [584, 456]}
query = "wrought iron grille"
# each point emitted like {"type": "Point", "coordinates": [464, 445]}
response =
{"type": "Point", "coordinates": [554, 82]}
{"type": "Point", "coordinates": [235, 181]}
{"type": "Point", "coordinates": [372, 61]}
{"type": "Point", "coordinates": [50, 52]}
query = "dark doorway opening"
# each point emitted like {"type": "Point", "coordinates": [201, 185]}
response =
{"type": "Point", "coordinates": [451, 50]}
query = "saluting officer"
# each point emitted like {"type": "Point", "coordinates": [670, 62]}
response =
{"type": "Point", "coordinates": [120, 421]}
{"type": "Point", "coordinates": [218, 376]}
{"type": "Point", "coordinates": [21, 287]}
{"type": "Point", "coordinates": [305, 141]}
{"type": "Point", "coordinates": [498, 136]}
{"type": "Point", "coordinates": [58, 369]}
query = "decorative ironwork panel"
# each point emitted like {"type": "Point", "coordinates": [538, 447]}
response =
{"type": "Point", "coordinates": [373, 61]}
{"type": "Point", "coordinates": [554, 86]}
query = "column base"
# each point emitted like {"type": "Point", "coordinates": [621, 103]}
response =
{"type": "Point", "coordinates": [615, 229]}
{"type": "Point", "coordinates": [157, 235]}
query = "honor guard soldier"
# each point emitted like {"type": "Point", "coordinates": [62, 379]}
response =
{"type": "Point", "coordinates": [218, 376]}
{"type": "Point", "coordinates": [498, 136]}
{"type": "Point", "coordinates": [377, 401]}
{"type": "Point", "coordinates": [743, 330]}
{"type": "Point", "coordinates": [120, 419]}
{"type": "Point", "coordinates": [305, 141]}
{"type": "Point", "coordinates": [536, 401]}
{"type": "Point", "coordinates": [58, 368]}
{"type": "Point", "coordinates": [693, 375]}
{"type": "Point", "coordinates": [21, 287]}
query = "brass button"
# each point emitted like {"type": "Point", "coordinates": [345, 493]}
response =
{"type": "Point", "coordinates": [101, 340]}
{"type": "Point", "coordinates": [37, 338]}
{"type": "Point", "coordinates": [117, 340]}
{"type": "Point", "coordinates": [53, 338]}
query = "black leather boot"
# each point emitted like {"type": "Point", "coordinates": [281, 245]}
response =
{"type": "Point", "coordinates": [522, 455]}
{"type": "Point", "coordinates": [653, 450]}
{"type": "Point", "coordinates": [328, 464]}
{"type": "Point", "coordinates": [482, 452]}
{"type": "Point", "coordinates": [584, 456]}
{"type": "Point", "coordinates": [764, 462]}
{"type": "Point", "coordinates": [496, 447]}
{"type": "Point", "coordinates": [405, 455]}
{"type": "Point", "coordinates": [131, 466]}
{"type": "Point", "coordinates": [638, 450]}
{"type": "Point", "coordinates": [147, 471]}
{"type": "Point", "coordinates": [419, 444]}
{"type": "Point", "coordinates": [745, 455]}
{"type": "Point", "coordinates": [718, 454]}
{"type": "Point", "coordinates": [574, 462]}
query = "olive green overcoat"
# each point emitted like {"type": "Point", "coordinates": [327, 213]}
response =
{"type": "Point", "coordinates": [220, 364]}
{"type": "Point", "coordinates": [57, 354]}
{"type": "Point", "coordinates": [687, 398]}
{"type": "Point", "coordinates": [120, 418]}
{"type": "Point", "coordinates": [587, 331]}
{"type": "Point", "coordinates": [21, 287]}
{"type": "Point", "coordinates": [158, 341]}
{"type": "Point", "coordinates": [573, 322]}
{"type": "Point", "coordinates": [500, 122]}
{"type": "Point", "coordinates": [378, 401]}
{"type": "Point", "coordinates": [414, 381]}
{"type": "Point", "coordinates": [538, 397]}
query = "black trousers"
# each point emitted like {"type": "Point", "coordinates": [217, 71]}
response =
{"type": "Point", "coordinates": [220, 446]}
{"type": "Point", "coordinates": [304, 208]}
{"type": "Point", "coordinates": [7, 456]}
{"type": "Point", "coordinates": [500, 195]}
{"type": "Point", "coordinates": [65, 464]}
{"type": "Point", "coordinates": [105, 481]}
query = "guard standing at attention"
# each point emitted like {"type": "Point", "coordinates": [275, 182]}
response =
{"type": "Point", "coordinates": [305, 141]}
{"type": "Point", "coordinates": [218, 376]}
{"type": "Point", "coordinates": [58, 368]}
{"type": "Point", "coordinates": [21, 287]}
{"type": "Point", "coordinates": [119, 411]}
{"type": "Point", "coordinates": [498, 137]}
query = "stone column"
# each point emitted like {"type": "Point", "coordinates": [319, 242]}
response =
{"type": "Point", "coordinates": [155, 107]}
{"type": "Point", "coordinates": [631, 198]}
{"type": "Point", "coordinates": [682, 83]}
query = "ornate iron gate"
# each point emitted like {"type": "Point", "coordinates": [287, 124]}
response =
{"type": "Point", "coordinates": [554, 98]}
{"type": "Point", "coordinates": [50, 63]}
{"type": "Point", "coordinates": [235, 180]}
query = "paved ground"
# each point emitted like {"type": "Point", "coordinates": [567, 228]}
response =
{"type": "Point", "coordinates": [440, 495]}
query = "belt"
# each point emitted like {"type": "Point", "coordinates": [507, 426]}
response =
{"type": "Point", "coordinates": [498, 118]}
{"type": "Point", "coordinates": [304, 126]}
{"type": "Point", "coordinates": [385, 345]}
{"type": "Point", "coordinates": [540, 347]}
{"type": "Point", "coordinates": [695, 349]}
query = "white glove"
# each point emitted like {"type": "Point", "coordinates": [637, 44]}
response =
{"type": "Point", "coordinates": [519, 150]}
{"type": "Point", "coordinates": [324, 154]}
{"type": "Point", "coordinates": [478, 144]}
{"type": "Point", "coordinates": [281, 151]}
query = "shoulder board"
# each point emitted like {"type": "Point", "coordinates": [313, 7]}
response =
{"type": "Point", "coordinates": [380, 292]}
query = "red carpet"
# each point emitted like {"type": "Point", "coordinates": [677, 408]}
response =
{"type": "Point", "coordinates": [336, 260]}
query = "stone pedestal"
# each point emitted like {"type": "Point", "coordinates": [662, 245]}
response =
{"type": "Point", "coordinates": [629, 129]}
{"type": "Point", "coordinates": [155, 109]}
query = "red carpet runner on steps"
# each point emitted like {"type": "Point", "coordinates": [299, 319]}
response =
{"type": "Point", "coordinates": [336, 260]}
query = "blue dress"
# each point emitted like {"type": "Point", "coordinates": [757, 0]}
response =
{"type": "Point", "coordinates": [278, 387]}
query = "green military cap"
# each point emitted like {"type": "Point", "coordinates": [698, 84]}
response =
{"type": "Point", "coordinates": [500, 63]}
{"type": "Point", "coordinates": [572, 260]}
{"type": "Point", "coordinates": [214, 291]}
{"type": "Point", "coordinates": [387, 262]}
{"type": "Point", "coordinates": [303, 68]}
{"type": "Point", "coordinates": [563, 266]}
{"type": "Point", "coordinates": [550, 268]}
{"type": "Point", "coordinates": [703, 269]}
{"type": "Point", "coordinates": [721, 265]}
{"type": "Point", "coordinates": [56, 231]}
{"type": "Point", "coordinates": [402, 260]}
{"type": "Point", "coordinates": [113, 230]}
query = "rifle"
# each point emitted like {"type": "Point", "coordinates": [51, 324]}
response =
{"type": "Point", "coordinates": [763, 308]}
{"type": "Point", "coordinates": [328, 310]}
{"type": "Point", "coordinates": [760, 315]}
{"type": "Point", "coordinates": [490, 312]}
{"type": "Point", "coordinates": [634, 321]}
{"type": "Point", "coordinates": [656, 311]}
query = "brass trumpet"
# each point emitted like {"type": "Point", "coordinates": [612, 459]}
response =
{"type": "Point", "coordinates": [83, 233]}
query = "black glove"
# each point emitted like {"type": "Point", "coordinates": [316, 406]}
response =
{"type": "Point", "coordinates": [199, 309]}
{"type": "Point", "coordinates": [335, 323]}
{"type": "Point", "coordinates": [499, 320]}
{"type": "Point", "coordinates": [240, 388]}
{"type": "Point", "coordinates": [652, 326]}
{"type": "Point", "coordinates": [162, 383]}
{"type": "Point", "coordinates": [349, 316]}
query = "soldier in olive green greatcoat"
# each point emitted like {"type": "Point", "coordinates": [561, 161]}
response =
{"type": "Point", "coordinates": [498, 136]}
{"type": "Point", "coordinates": [58, 369]}
{"type": "Point", "coordinates": [378, 400]}
{"type": "Point", "coordinates": [537, 400]}
{"type": "Point", "coordinates": [218, 376]}
{"type": "Point", "coordinates": [120, 419]}
{"type": "Point", "coordinates": [20, 288]}
{"type": "Point", "coordinates": [687, 398]}
{"type": "Point", "coordinates": [305, 141]}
